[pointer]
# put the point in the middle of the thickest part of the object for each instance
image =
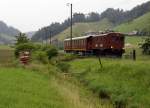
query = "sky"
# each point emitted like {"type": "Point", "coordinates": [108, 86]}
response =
{"type": "Point", "coordinates": [31, 15]}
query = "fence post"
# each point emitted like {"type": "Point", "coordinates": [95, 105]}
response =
{"type": "Point", "coordinates": [134, 54]}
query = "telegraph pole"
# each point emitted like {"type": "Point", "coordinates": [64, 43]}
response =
{"type": "Point", "coordinates": [70, 4]}
{"type": "Point", "coordinates": [71, 28]}
{"type": "Point", "coordinates": [50, 38]}
{"type": "Point", "coordinates": [45, 35]}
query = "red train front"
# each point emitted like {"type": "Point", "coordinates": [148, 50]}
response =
{"type": "Point", "coordinates": [103, 44]}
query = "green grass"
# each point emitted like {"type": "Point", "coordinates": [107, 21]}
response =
{"type": "Point", "coordinates": [20, 88]}
{"type": "Point", "coordinates": [134, 40]}
{"type": "Point", "coordinates": [122, 80]}
{"type": "Point", "coordinates": [141, 23]}
{"type": "Point", "coordinates": [6, 55]}
{"type": "Point", "coordinates": [5, 47]}
{"type": "Point", "coordinates": [81, 28]}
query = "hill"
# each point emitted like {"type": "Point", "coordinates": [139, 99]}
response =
{"type": "Point", "coordinates": [7, 33]}
{"type": "Point", "coordinates": [141, 24]}
{"type": "Point", "coordinates": [30, 34]}
{"type": "Point", "coordinates": [115, 16]}
{"type": "Point", "coordinates": [81, 28]}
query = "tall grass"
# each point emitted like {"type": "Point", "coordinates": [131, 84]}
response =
{"type": "Point", "coordinates": [20, 88]}
{"type": "Point", "coordinates": [120, 81]}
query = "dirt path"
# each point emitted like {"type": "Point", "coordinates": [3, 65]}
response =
{"type": "Point", "coordinates": [77, 97]}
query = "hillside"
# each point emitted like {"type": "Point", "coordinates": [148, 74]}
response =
{"type": "Point", "coordinates": [81, 28]}
{"type": "Point", "coordinates": [115, 16]}
{"type": "Point", "coordinates": [7, 33]}
{"type": "Point", "coordinates": [30, 34]}
{"type": "Point", "coordinates": [140, 24]}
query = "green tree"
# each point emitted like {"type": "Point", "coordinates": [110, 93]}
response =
{"type": "Point", "coordinates": [146, 46]}
{"type": "Point", "coordinates": [21, 38]}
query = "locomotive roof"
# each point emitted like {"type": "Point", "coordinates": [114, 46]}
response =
{"type": "Point", "coordinates": [84, 37]}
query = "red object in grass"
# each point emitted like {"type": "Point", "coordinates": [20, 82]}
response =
{"type": "Point", "coordinates": [24, 57]}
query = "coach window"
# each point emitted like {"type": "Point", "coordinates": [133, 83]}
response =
{"type": "Point", "coordinates": [122, 38]}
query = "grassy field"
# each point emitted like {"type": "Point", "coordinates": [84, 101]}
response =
{"type": "Point", "coordinates": [20, 88]}
{"type": "Point", "coordinates": [39, 86]}
{"type": "Point", "coordinates": [123, 81]}
{"type": "Point", "coordinates": [141, 23]}
{"type": "Point", "coordinates": [134, 40]}
{"type": "Point", "coordinates": [120, 81]}
{"type": "Point", "coordinates": [81, 28]}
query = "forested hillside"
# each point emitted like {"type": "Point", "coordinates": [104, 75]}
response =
{"type": "Point", "coordinates": [82, 28]}
{"type": "Point", "coordinates": [115, 16]}
{"type": "Point", "coordinates": [7, 33]}
{"type": "Point", "coordinates": [141, 25]}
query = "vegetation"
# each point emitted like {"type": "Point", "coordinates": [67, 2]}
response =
{"type": "Point", "coordinates": [115, 16]}
{"type": "Point", "coordinates": [41, 85]}
{"type": "Point", "coordinates": [123, 82]}
{"type": "Point", "coordinates": [146, 46]}
{"type": "Point", "coordinates": [53, 79]}
{"type": "Point", "coordinates": [81, 28]}
{"type": "Point", "coordinates": [140, 24]}
{"type": "Point", "coordinates": [7, 33]}
{"type": "Point", "coordinates": [21, 38]}
{"type": "Point", "coordinates": [27, 89]}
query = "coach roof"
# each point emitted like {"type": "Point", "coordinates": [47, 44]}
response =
{"type": "Point", "coordinates": [85, 37]}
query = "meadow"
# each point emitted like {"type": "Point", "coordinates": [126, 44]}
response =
{"type": "Point", "coordinates": [124, 82]}
{"type": "Point", "coordinates": [121, 82]}
{"type": "Point", "coordinates": [20, 88]}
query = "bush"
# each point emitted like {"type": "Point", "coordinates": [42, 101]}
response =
{"type": "Point", "coordinates": [23, 47]}
{"type": "Point", "coordinates": [51, 52]}
{"type": "Point", "coordinates": [67, 57]}
{"type": "Point", "coordinates": [64, 67]}
{"type": "Point", "coordinates": [41, 56]}
{"type": "Point", "coordinates": [146, 46]}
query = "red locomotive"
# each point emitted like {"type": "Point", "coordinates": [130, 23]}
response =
{"type": "Point", "coordinates": [103, 44]}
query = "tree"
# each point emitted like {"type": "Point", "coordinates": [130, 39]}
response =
{"type": "Point", "coordinates": [21, 38]}
{"type": "Point", "coordinates": [146, 46]}
{"type": "Point", "coordinates": [92, 17]}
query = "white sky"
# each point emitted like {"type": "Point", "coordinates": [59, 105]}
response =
{"type": "Point", "coordinates": [30, 15]}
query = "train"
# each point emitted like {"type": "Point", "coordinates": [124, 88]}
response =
{"type": "Point", "coordinates": [97, 44]}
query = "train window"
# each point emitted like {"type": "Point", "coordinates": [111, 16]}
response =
{"type": "Point", "coordinates": [114, 39]}
{"type": "Point", "coordinates": [122, 38]}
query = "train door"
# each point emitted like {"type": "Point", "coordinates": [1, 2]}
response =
{"type": "Point", "coordinates": [89, 43]}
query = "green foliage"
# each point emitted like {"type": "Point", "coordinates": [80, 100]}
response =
{"type": "Point", "coordinates": [21, 38]}
{"type": "Point", "coordinates": [66, 57]}
{"type": "Point", "coordinates": [51, 52]}
{"type": "Point", "coordinates": [146, 46]}
{"type": "Point", "coordinates": [40, 56]}
{"type": "Point", "coordinates": [24, 47]}
{"type": "Point", "coordinates": [81, 28]}
{"type": "Point", "coordinates": [20, 88]}
{"type": "Point", "coordinates": [123, 82]}
{"type": "Point", "coordinates": [64, 67]}
{"type": "Point", "coordinates": [140, 24]}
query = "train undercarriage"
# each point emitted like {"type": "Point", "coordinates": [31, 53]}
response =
{"type": "Point", "coordinates": [104, 52]}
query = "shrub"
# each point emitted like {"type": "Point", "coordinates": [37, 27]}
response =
{"type": "Point", "coordinates": [146, 46]}
{"type": "Point", "coordinates": [64, 67]}
{"type": "Point", "coordinates": [51, 52]}
{"type": "Point", "coordinates": [21, 38]}
{"type": "Point", "coordinates": [40, 56]}
{"type": "Point", "coordinates": [67, 57]}
{"type": "Point", "coordinates": [23, 47]}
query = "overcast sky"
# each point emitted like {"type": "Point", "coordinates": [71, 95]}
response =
{"type": "Point", "coordinates": [30, 15]}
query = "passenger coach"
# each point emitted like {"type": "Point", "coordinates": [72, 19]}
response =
{"type": "Point", "coordinates": [104, 44]}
